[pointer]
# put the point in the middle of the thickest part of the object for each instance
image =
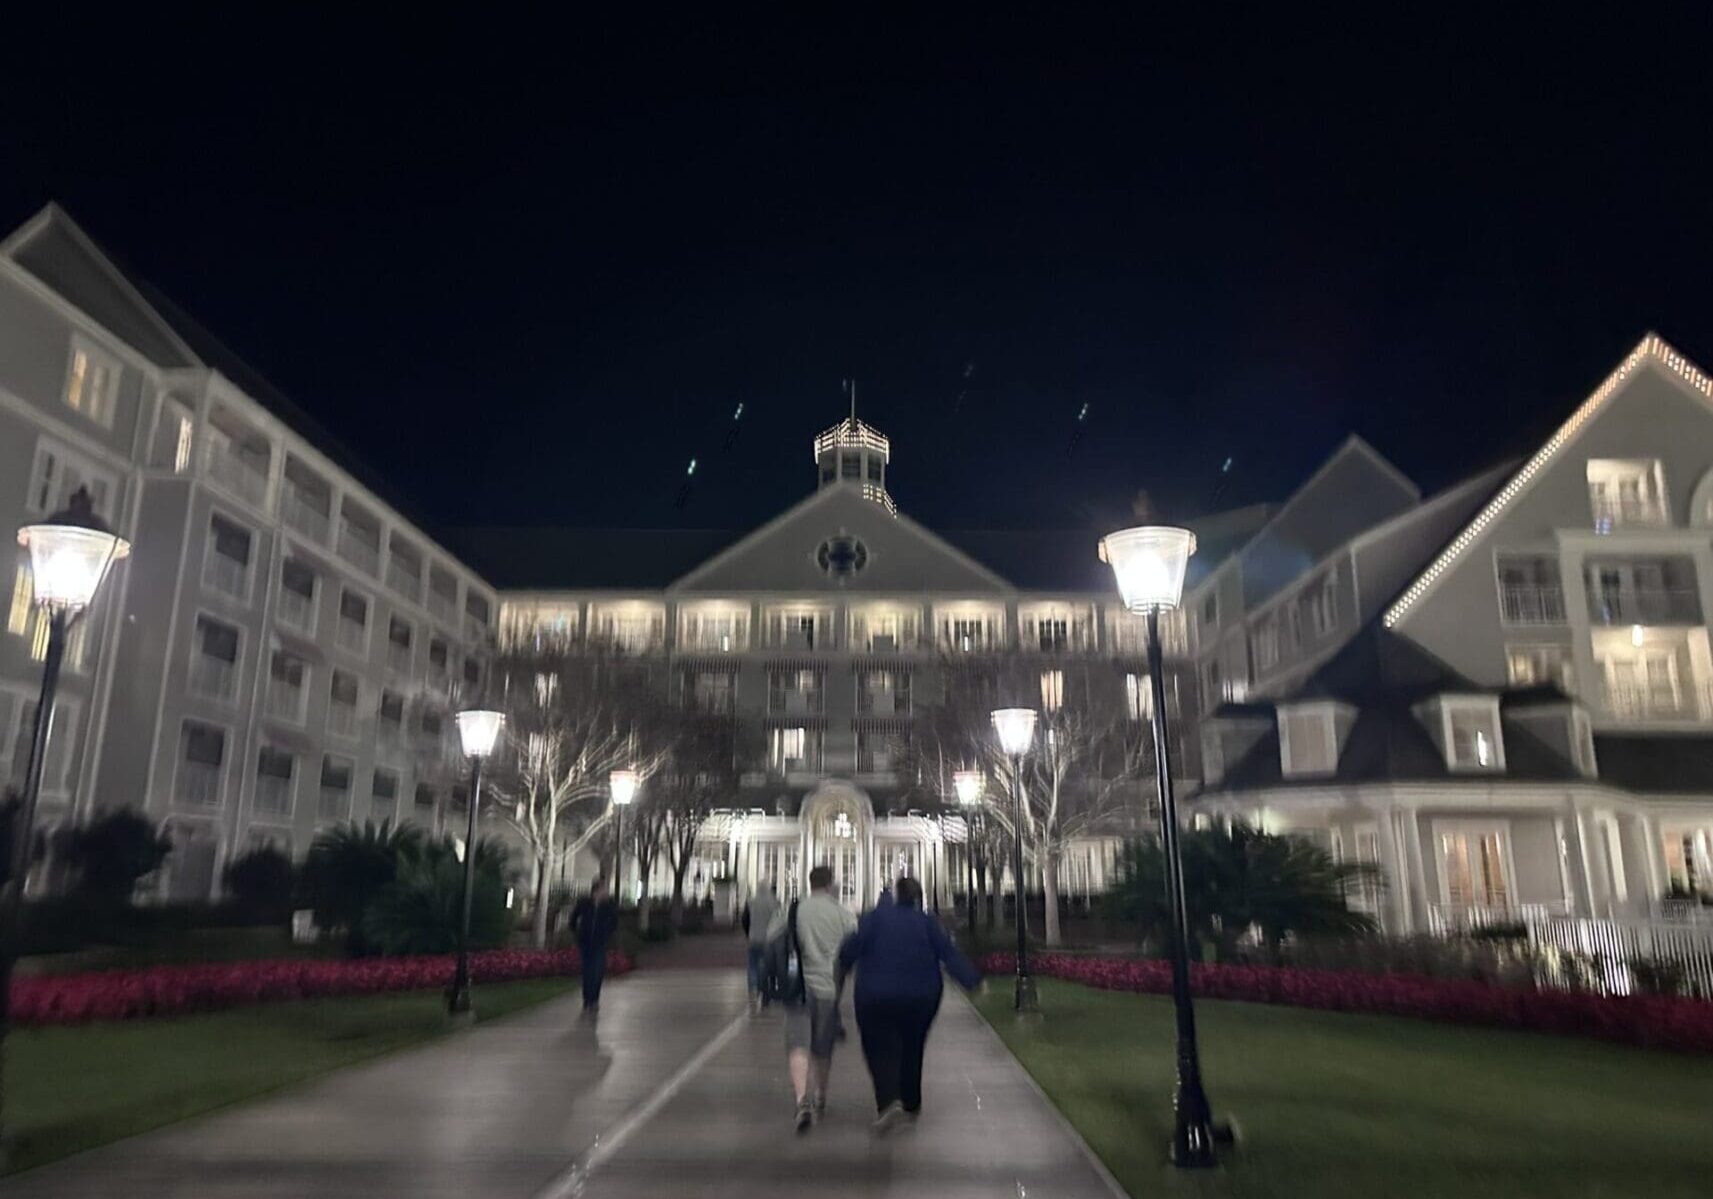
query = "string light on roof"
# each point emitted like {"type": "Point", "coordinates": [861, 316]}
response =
{"type": "Point", "coordinates": [1651, 346]}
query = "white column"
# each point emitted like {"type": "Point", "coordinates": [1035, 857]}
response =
{"type": "Point", "coordinates": [1418, 894]}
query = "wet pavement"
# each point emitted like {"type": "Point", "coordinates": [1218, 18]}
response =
{"type": "Point", "coordinates": [673, 1091]}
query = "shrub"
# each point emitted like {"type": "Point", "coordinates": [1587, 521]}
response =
{"type": "Point", "coordinates": [421, 910]}
{"type": "Point", "coordinates": [261, 883]}
{"type": "Point", "coordinates": [1658, 976]}
{"type": "Point", "coordinates": [346, 868]}
{"type": "Point", "coordinates": [181, 990]}
{"type": "Point", "coordinates": [113, 853]}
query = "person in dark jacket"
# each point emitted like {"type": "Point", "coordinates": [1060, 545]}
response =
{"type": "Point", "coordinates": [593, 922]}
{"type": "Point", "coordinates": [897, 952]}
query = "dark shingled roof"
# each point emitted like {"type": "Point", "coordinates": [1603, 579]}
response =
{"type": "Point", "coordinates": [1658, 764]}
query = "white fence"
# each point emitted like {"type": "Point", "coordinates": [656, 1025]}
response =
{"type": "Point", "coordinates": [1609, 946]}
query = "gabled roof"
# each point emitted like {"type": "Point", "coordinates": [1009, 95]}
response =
{"type": "Point", "coordinates": [1651, 350]}
{"type": "Point", "coordinates": [1659, 764]}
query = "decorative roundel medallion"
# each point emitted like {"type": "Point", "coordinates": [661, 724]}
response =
{"type": "Point", "coordinates": [842, 556]}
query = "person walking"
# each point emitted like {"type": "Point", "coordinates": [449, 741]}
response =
{"type": "Point", "coordinates": [758, 918]}
{"type": "Point", "coordinates": [813, 929]}
{"type": "Point", "coordinates": [897, 952]}
{"type": "Point", "coordinates": [593, 922]}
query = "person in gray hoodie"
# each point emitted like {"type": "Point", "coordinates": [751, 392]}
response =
{"type": "Point", "coordinates": [758, 917]}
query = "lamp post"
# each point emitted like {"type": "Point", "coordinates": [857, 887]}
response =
{"type": "Point", "coordinates": [968, 785]}
{"type": "Point", "coordinates": [622, 784]}
{"type": "Point", "coordinates": [1016, 729]}
{"type": "Point", "coordinates": [478, 730]}
{"type": "Point", "coordinates": [1149, 563]}
{"type": "Point", "coordinates": [70, 554]}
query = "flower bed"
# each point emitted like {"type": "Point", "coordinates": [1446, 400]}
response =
{"type": "Point", "coordinates": [1651, 1020]}
{"type": "Point", "coordinates": [180, 990]}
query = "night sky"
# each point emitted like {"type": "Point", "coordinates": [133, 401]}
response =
{"type": "Point", "coordinates": [528, 272]}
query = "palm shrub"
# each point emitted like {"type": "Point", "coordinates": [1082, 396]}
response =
{"type": "Point", "coordinates": [421, 909]}
{"type": "Point", "coordinates": [261, 883]}
{"type": "Point", "coordinates": [347, 867]}
{"type": "Point", "coordinates": [1240, 880]}
{"type": "Point", "coordinates": [112, 854]}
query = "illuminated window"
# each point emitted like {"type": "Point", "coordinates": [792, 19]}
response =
{"type": "Point", "coordinates": [55, 476]}
{"type": "Point", "coordinates": [1138, 697]}
{"type": "Point", "coordinates": [92, 384]}
{"type": "Point", "coordinates": [1308, 739]}
{"type": "Point", "coordinates": [1475, 867]}
{"type": "Point", "coordinates": [1627, 492]}
{"type": "Point", "coordinates": [1539, 666]}
{"type": "Point", "coordinates": [1052, 690]}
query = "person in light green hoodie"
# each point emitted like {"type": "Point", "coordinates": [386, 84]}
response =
{"type": "Point", "coordinates": [822, 926]}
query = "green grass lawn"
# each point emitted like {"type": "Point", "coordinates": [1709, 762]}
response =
{"type": "Point", "coordinates": [1328, 1104]}
{"type": "Point", "coordinates": [71, 1088]}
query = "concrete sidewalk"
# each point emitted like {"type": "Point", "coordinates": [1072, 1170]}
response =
{"type": "Point", "coordinates": [672, 1091]}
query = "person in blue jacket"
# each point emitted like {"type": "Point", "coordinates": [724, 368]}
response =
{"type": "Point", "coordinates": [897, 953]}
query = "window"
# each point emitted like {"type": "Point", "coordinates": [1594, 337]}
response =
{"type": "Point", "coordinates": [438, 657]}
{"type": "Point", "coordinates": [795, 692]}
{"type": "Point", "coordinates": [1266, 644]}
{"type": "Point", "coordinates": [342, 705]}
{"type": "Point", "coordinates": [1530, 590]}
{"type": "Point", "coordinates": [1474, 866]}
{"type": "Point", "coordinates": [794, 750]}
{"type": "Point", "coordinates": [1138, 697]}
{"type": "Point", "coordinates": [716, 628]}
{"type": "Point", "coordinates": [635, 628]}
{"type": "Point", "coordinates": [432, 723]}
{"type": "Point", "coordinates": [1052, 690]}
{"type": "Point", "coordinates": [384, 788]}
{"type": "Point", "coordinates": [1582, 743]}
{"type": "Point", "coordinates": [275, 771]}
{"type": "Point", "coordinates": [1539, 666]}
{"type": "Point", "coordinates": [202, 753]}
{"type": "Point", "coordinates": [92, 384]}
{"type": "Point", "coordinates": [712, 691]}
{"type": "Point", "coordinates": [800, 628]}
{"type": "Point", "coordinates": [850, 466]}
{"type": "Point", "coordinates": [226, 567]}
{"type": "Point", "coordinates": [287, 675]}
{"type": "Point", "coordinates": [1627, 491]}
{"type": "Point", "coordinates": [57, 473]}
{"type": "Point", "coordinates": [175, 431]}
{"type": "Point", "coordinates": [967, 634]}
{"type": "Point", "coordinates": [883, 692]}
{"type": "Point", "coordinates": [1210, 611]}
{"type": "Point", "coordinates": [353, 632]}
{"type": "Point", "coordinates": [1308, 739]}
{"type": "Point", "coordinates": [391, 713]}
{"type": "Point", "coordinates": [880, 629]}
{"type": "Point", "coordinates": [472, 672]}
{"type": "Point", "coordinates": [425, 800]}
{"type": "Point", "coordinates": [399, 634]}
{"type": "Point", "coordinates": [1645, 591]}
{"type": "Point", "coordinates": [874, 751]}
{"type": "Point", "coordinates": [874, 470]}
{"type": "Point", "coordinates": [214, 661]}
{"type": "Point", "coordinates": [297, 595]}
{"type": "Point", "coordinates": [17, 734]}
{"type": "Point", "coordinates": [1213, 685]}
{"type": "Point", "coordinates": [1471, 737]}
{"type": "Point", "coordinates": [335, 799]}
{"type": "Point", "coordinates": [24, 619]}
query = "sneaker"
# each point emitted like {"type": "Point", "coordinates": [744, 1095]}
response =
{"type": "Point", "coordinates": [890, 1117]}
{"type": "Point", "coordinates": [805, 1116]}
{"type": "Point", "coordinates": [820, 1108]}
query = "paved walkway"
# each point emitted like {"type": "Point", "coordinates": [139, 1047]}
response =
{"type": "Point", "coordinates": [672, 1092]}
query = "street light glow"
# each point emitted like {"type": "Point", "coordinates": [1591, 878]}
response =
{"type": "Point", "coordinates": [70, 554]}
{"type": "Point", "coordinates": [1016, 729]}
{"type": "Point", "coordinates": [968, 784]}
{"type": "Point", "coordinates": [479, 729]}
{"type": "Point", "coordinates": [623, 785]}
{"type": "Point", "coordinates": [1149, 562]}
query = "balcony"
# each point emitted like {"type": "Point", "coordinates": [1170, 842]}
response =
{"type": "Point", "coordinates": [342, 719]}
{"type": "Point", "coordinates": [443, 607]}
{"type": "Point", "coordinates": [476, 631]}
{"type": "Point", "coordinates": [333, 804]}
{"type": "Point", "coordinates": [285, 700]}
{"type": "Point", "coordinates": [398, 658]}
{"type": "Point", "coordinates": [797, 703]}
{"type": "Point", "coordinates": [238, 474]}
{"type": "Point", "coordinates": [1451, 919]}
{"type": "Point", "coordinates": [1626, 511]}
{"type": "Point", "coordinates": [405, 578]}
{"type": "Point", "coordinates": [212, 678]}
{"type": "Point", "coordinates": [1645, 705]}
{"type": "Point", "coordinates": [296, 610]}
{"type": "Point", "coordinates": [199, 784]}
{"type": "Point", "coordinates": [273, 795]}
{"type": "Point", "coordinates": [351, 636]}
{"type": "Point", "coordinates": [302, 513]}
{"type": "Point", "coordinates": [1649, 607]}
{"type": "Point", "coordinates": [360, 546]}
{"type": "Point", "coordinates": [1532, 603]}
{"type": "Point", "coordinates": [226, 575]}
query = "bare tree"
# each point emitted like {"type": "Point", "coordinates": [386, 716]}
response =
{"type": "Point", "coordinates": [1084, 775]}
{"type": "Point", "coordinates": [710, 751]}
{"type": "Point", "coordinates": [647, 833]}
{"type": "Point", "coordinates": [573, 715]}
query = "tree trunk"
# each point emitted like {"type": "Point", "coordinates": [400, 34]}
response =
{"type": "Point", "coordinates": [679, 870]}
{"type": "Point", "coordinates": [642, 903]}
{"type": "Point", "coordinates": [538, 930]}
{"type": "Point", "coordinates": [1050, 897]}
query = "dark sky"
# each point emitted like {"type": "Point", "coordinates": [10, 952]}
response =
{"type": "Point", "coordinates": [528, 271]}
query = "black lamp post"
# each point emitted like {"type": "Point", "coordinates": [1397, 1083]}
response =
{"type": "Point", "coordinates": [1016, 729]}
{"type": "Point", "coordinates": [70, 554]}
{"type": "Point", "coordinates": [622, 785]}
{"type": "Point", "coordinates": [1150, 563]}
{"type": "Point", "coordinates": [478, 730]}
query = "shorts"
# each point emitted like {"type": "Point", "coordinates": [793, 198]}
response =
{"type": "Point", "coordinates": [812, 1025]}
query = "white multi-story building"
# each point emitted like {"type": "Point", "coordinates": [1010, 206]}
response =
{"type": "Point", "coordinates": [281, 650]}
{"type": "Point", "coordinates": [1525, 729]}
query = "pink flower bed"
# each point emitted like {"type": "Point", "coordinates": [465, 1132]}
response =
{"type": "Point", "coordinates": [1662, 1022]}
{"type": "Point", "coordinates": [179, 990]}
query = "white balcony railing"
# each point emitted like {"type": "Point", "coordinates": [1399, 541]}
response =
{"type": "Point", "coordinates": [398, 657]}
{"type": "Point", "coordinates": [296, 610]}
{"type": "Point", "coordinates": [302, 514]}
{"type": "Point", "coordinates": [1651, 606]}
{"type": "Point", "coordinates": [475, 630]}
{"type": "Point", "coordinates": [1645, 704]}
{"type": "Point", "coordinates": [273, 794]}
{"type": "Point", "coordinates": [226, 575]}
{"type": "Point", "coordinates": [351, 636]}
{"type": "Point", "coordinates": [404, 581]}
{"type": "Point", "coordinates": [798, 703]}
{"type": "Point", "coordinates": [1616, 511]}
{"type": "Point", "coordinates": [360, 549]}
{"type": "Point", "coordinates": [443, 607]}
{"type": "Point", "coordinates": [1445, 919]}
{"type": "Point", "coordinates": [334, 804]}
{"type": "Point", "coordinates": [212, 678]}
{"type": "Point", "coordinates": [236, 475]}
{"type": "Point", "coordinates": [1527, 603]}
{"type": "Point", "coordinates": [342, 719]}
{"type": "Point", "coordinates": [199, 784]}
{"type": "Point", "coordinates": [285, 700]}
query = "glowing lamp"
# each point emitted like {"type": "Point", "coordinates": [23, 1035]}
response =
{"type": "Point", "coordinates": [1016, 729]}
{"type": "Point", "coordinates": [479, 729]}
{"type": "Point", "coordinates": [70, 554]}
{"type": "Point", "coordinates": [623, 785]}
{"type": "Point", "coordinates": [968, 785]}
{"type": "Point", "coordinates": [1149, 563]}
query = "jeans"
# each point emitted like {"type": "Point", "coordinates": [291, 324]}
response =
{"type": "Point", "coordinates": [594, 972]}
{"type": "Point", "coordinates": [894, 1035]}
{"type": "Point", "coordinates": [757, 962]}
